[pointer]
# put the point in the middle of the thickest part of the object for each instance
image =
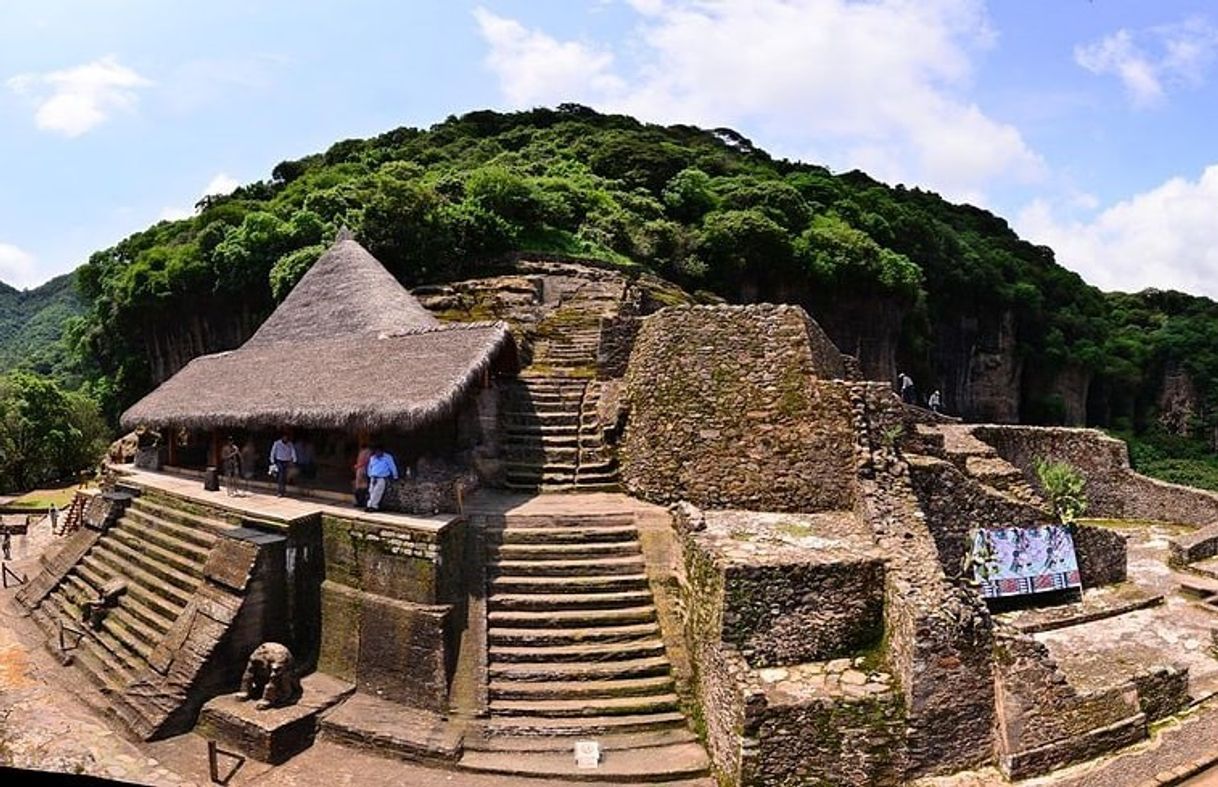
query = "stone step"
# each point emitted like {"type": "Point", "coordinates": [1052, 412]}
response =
{"type": "Point", "coordinates": [117, 659]}
{"type": "Point", "coordinates": [165, 609]}
{"type": "Point", "coordinates": [79, 591]}
{"type": "Point", "coordinates": [589, 519]}
{"type": "Point", "coordinates": [146, 561]}
{"type": "Point", "coordinates": [570, 601]}
{"type": "Point", "coordinates": [632, 564]}
{"type": "Point", "coordinates": [557, 417]}
{"type": "Point", "coordinates": [544, 635]}
{"type": "Point", "coordinates": [122, 641]}
{"type": "Point", "coordinates": [568, 618]}
{"type": "Point", "coordinates": [585, 706]}
{"type": "Point", "coordinates": [622, 669]}
{"type": "Point", "coordinates": [562, 535]}
{"type": "Point", "coordinates": [591, 726]}
{"type": "Point", "coordinates": [169, 535]}
{"type": "Point", "coordinates": [168, 512]}
{"type": "Point", "coordinates": [579, 585]}
{"type": "Point", "coordinates": [589, 549]}
{"type": "Point", "coordinates": [665, 764]}
{"type": "Point", "coordinates": [616, 651]}
{"type": "Point", "coordinates": [115, 565]}
{"type": "Point", "coordinates": [478, 739]}
{"type": "Point", "coordinates": [89, 583]}
{"type": "Point", "coordinates": [563, 488]}
{"type": "Point", "coordinates": [157, 555]}
{"type": "Point", "coordinates": [576, 689]}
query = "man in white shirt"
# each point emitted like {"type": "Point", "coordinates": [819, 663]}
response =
{"type": "Point", "coordinates": [283, 456]}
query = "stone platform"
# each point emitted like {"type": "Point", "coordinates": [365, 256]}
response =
{"type": "Point", "coordinates": [275, 734]}
{"type": "Point", "coordinates": [394, 730]}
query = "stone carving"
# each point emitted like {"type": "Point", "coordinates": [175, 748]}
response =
{"type": "Point", "coordinates": [94, 611]}
{"type": "Point", "coordinates": [270, 677]}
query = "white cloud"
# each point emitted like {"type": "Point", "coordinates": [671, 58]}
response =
{"type": "Point", "coordinates": [1151, 61]}
{"type": "Point", "coordinates": [221, 184]}
{"type": "Point", "coordinates": [880, 85]}
{"type": "Point", "coordinates": [17, 268]}
{"type": "Point", "coordinates": [75, 100]}
{"type": "Point", "coordinates": [1164, 238]}
{"type": "Point", "coordinates": [532, 65]}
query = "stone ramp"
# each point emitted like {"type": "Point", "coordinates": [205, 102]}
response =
{"type": "Point", "coordinates": [151, 658]}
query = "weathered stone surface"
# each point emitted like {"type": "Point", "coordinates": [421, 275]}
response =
{"type": "Point", "coordinates": [727, 411]}
{"type": "Point", "coordinates": [275, 734]}
{"type": "Point", "coordinates": [231, 563]}
{"type": "Point", "coordinates": [341, 622]}
{"type": "Point", "coordinates": [394, 730]}
{"type": "Point", "coordinates": [395, 562]}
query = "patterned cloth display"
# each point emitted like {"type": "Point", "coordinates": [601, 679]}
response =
{"type": "Point", "coordinates": [1014, 561]}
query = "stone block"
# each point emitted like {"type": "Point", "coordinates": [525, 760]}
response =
{"type": "Point", "coordinates": [231, 563]}
{"type": "Point", "coordinates": [341, 612]}
{"type": "Point", "coordinates": [275, 734]}
{"type": "Point", "coordinates": [402, 654]}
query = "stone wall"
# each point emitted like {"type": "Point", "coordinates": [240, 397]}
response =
{"type": "Point", "coordinates": [1044, 723]}
{"type": "Point", "coordinates": [1102, 555]}
{"type": "Point", "coordinates": [1113, 489]}
{"type": "Point", "coordinates": [391, 608]}
{"type": "Point", "coordinates": [955, 504]}
{"type": "Point", "coordinates": [726, 411]}
{"type": "Point", "coordinates": [781, 590]}
{"type": "Point", "coordinates": [938, 636]}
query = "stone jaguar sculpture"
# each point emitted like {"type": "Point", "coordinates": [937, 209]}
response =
{"type": "Point", "coordinates": [270, 677]}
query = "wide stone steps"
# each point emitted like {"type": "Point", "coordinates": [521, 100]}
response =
{"type": "Point", "coordinates": [113, 552]}
{"type": "Point", "coordinates": [170, 535]}
{"type": "Point", "coordinates": [603, 725]}
{"type": "Point", "coordinates": [164, 601]}
{"type": "Point", "coordinates": [631, 564]}
{"type": "Point", "coordinates": [581, 689]}
{"type": "Point", "coordinates": [624, 669]}
{"type": "Point", "coordinates": [480, 739]}
{"type": "Point", "coordinates": [581, 585]}
{"type": "Point", "coordinates": [669, 765]}
{"type": "Point", "coordinates": [560, 601]}
{"type": "Point", "coordinates": [561, 535]}
{"type": "Point", "coordinates": [616, 651]}
{"type": "Point", "coordinates": [542, 635]}
{"type": "Point", "coordinates": [538, 551]}
{"type": "Point", "coordinates": [121, 659]}
{"type": "Point", "coordinates": [205, 526]}
{"type": "Point", "coordinates": [585, 706]}
{"type": "Point", "coordinates": [554, 617]}
{"type": "Point", "coordinates": [146, 636]}
{"type": "Point", "coordinates": [186, 565]}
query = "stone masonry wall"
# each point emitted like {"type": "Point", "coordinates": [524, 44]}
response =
{"type": "Point", "coordinates": [1113, 489]}
{"type": "Point", "coordinates": [939, 637]}
{"type": "Point", "coordinates": [726, 411]}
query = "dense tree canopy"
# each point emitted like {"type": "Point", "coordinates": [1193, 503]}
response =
{"type": "Point", "coordinates": [705, 208]}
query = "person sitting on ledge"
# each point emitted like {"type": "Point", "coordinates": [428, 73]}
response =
{"type": "Point", "coordinates": [381, 468]}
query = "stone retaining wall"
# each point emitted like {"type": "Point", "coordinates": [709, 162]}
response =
{"type": "Point", "coordinates": [1113, 489]}
{"type": "Point", "coordinates": [726, 411]}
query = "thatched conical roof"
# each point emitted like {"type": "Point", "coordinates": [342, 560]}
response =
{"type": "Point", "coordinates": [349, 348]}
{"type": "Point", "coordinates": [346, 293]}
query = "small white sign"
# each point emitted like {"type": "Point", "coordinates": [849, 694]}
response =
{"type": "Point", "coordinates": [587, 754]}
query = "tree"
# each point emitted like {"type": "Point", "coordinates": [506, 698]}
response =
{"type": "Point", "coordinates": [45, 433]}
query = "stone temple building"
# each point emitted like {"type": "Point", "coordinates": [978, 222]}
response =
{"type": "Point", "coordinates": [689, 533]}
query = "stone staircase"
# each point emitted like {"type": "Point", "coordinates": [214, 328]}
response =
{"type": "Point", "coordinates": [160, 553]}
{"type": "Point", "coordinates": [575, 652]}
{"type": "Point", "coordinates": [976, 459]}
{"type": "Point", "coordinates": [553, 437]}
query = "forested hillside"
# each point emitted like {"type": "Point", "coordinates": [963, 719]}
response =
{"type": "Point", "coordinates": [32, 322]}
{"type": "Point", "coordinates": [897, 276]}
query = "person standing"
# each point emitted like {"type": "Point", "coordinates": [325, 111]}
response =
{"type": "Point", "coordinates": [935, 401]}
{"type": "Point", "coordinates": [7, 544]}
{"type": "Point", "coordinates": [361, 475]}
{"type": "Point", "coordinates": [381, 468]}
{"type": "Point", "coordinates": [53, 514]}
{"type": "Point", "coordinates": [231, 456]}
{"type": "Point", "coordinates": [906, 385]}
{"type": "Point", "coordinates": [283, 456]}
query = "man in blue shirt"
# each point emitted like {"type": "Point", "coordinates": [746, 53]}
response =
{"type": "Point", "coordinates": [381, 468]}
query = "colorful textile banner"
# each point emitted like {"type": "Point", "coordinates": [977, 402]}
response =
{"type": "Point", "coordinates": [1015, 561]}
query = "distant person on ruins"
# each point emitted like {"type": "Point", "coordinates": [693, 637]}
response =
{"type": "Point", "coordinates": [935, 401]}
{"type": "Point", "coordinates": [905, 384]}
{"type": "Point", "coordinates": [7, 545]}
{"type": "Point", "coordinates": [283, 456]}
{"type": "Point", "coordinates": [381, 468]}
{"type": "Point", "coordinates": [361, 475]}
{"type": "Point", "coordinates": [53, 514]}
{"type": "Point", "coordinates": [231, 456]}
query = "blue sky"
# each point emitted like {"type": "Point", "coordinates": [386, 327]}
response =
{"type": "Point", "coordinates": [1088, 125]}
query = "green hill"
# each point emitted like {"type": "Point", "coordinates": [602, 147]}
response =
{"type": "Point", "coordinates": [899, 277]}
{"type": "Point", "coordinates": [32, 325]}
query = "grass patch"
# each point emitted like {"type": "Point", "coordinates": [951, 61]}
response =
{"type": "Point", "coordinates": [795, 529]}
{"type": "Point", "coordinates": [42, 499]}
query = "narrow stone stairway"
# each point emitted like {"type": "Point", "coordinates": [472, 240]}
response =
{"type": "Point", "coordinates": [159, 552]}
{"type": "Point", "coordinates": [553, 437]}
{"type": "Point", "coordinates": [575, 652]}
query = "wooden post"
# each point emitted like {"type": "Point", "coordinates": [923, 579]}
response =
{"type": "Point", "coordinates": [172, 435]}
{"type": "Point", "coordinates": [214, 454]}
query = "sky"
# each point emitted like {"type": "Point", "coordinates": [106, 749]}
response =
{"type": "Point", "coordinates": [1087, 124]}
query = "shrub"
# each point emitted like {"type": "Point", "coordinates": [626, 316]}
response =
{"type": "Point", "coordinates": [1063, 484]}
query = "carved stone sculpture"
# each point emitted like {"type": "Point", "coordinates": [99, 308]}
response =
{"type": "Point", "coordinates": [94, 611]}
{"type": "Point", "coordinates": [270, 677]}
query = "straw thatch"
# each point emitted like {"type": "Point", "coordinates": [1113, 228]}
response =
{"type": "Point", "coordinates": [349, 348]}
